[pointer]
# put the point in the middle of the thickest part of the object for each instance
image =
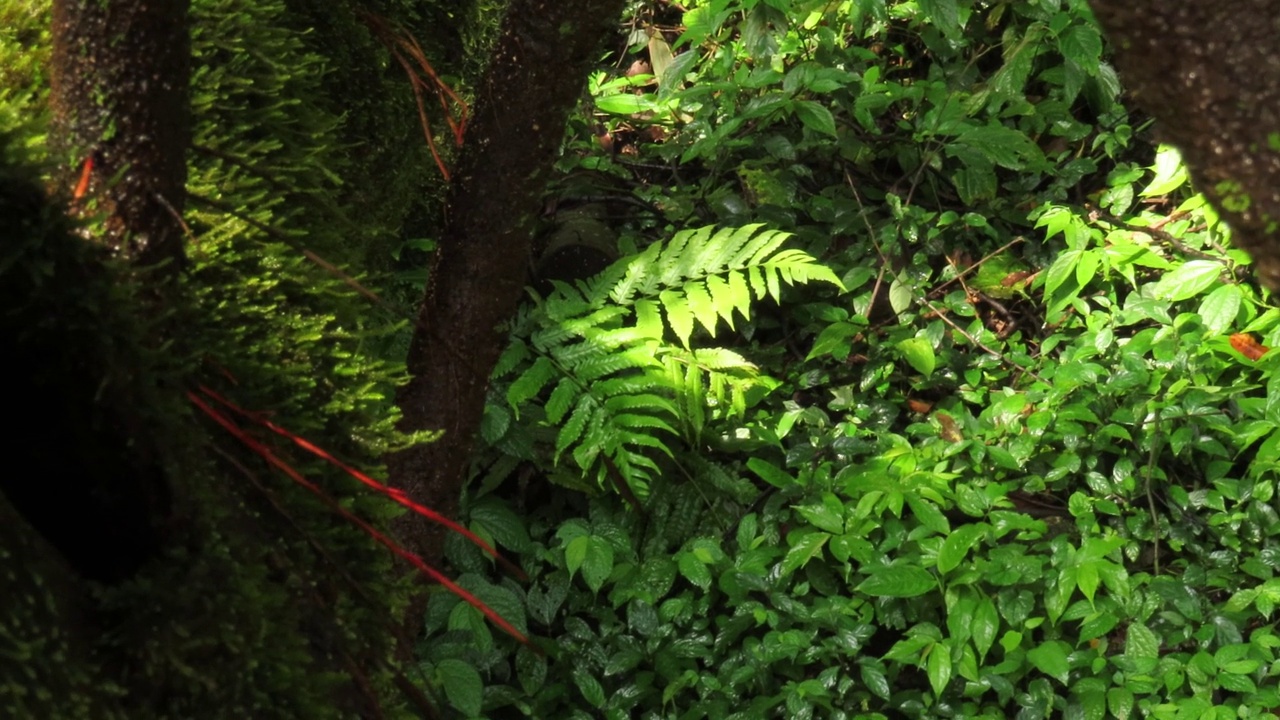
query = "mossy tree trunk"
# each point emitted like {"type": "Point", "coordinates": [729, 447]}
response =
{"type": "Point", "coordinates": [523, 102]}
{"type": "Point", "coordinates": [120, 77]}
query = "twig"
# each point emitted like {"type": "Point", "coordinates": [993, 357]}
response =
{"type": "Point", "coordinates": [974, 267]}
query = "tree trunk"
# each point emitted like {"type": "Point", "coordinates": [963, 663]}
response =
{"type": "Point", "coordinates": [533, 82]}
{"type": "Point", "coordinates": [119, 80]}
{"type": "Point", "coordinates": [1208, 73]}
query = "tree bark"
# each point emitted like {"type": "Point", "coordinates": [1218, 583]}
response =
{"type": "Point", "coordinates": [119, 80]}
{"type": "Point", "coordinates": [1209, 72]}
{"type": "Point", "coordinates": [533, 81]}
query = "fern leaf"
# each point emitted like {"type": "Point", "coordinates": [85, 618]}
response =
{"type": "Point", "coordinates": [517, 352]}
{"type": "Point", "coordinates": [611, 363]}
{"type": "Point", "coordinates": [762, 247]}
{"type": "Point", "coordinates": [528, 385]}
{"type": "Point", "coordinates": [622, 403]}
{"type": "Point", "coordinates": [679, 316]}
{"type": "Point", "coordinates": [722, 359]}
{"type": "Point", "coordinates": [561, 399]}
{"type": "Point", "coordinates": [648, 321]}
{"type": "Point", "coordinates": [627, 385]}
{"type": "Point", "coordinates": [755, 274]}
{"type": "Point", "coordinates": [570, 356]}
{"type": "Point", "coordinates": [580, 325]}
{"type": "Point", "coordinates": [722, 298]}
{"type": "Point", "coordinates": [676, 263]}
{"type": "Point", "coordinates": [701, 306]}
{"type": "Point", "coordinates": [573, 429]}
{"type": "Point", "coordinates": [739, 293]}
{"type": "Point", "coordinates": [638, 276]}
{"type": "Point", "coordinates": [637, 422]}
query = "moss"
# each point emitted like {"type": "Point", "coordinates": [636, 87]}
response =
{"type": "Point", "coordinates": [257, 600]}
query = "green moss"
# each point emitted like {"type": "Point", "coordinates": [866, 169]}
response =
{"type": "Point", "coordinates": [262, 602]}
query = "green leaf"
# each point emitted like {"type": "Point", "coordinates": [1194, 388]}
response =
{"type": "Point", "coordinates": [928, 514]}
{"type": "Point", "coordinates": [1188, 280]}
{"type": "Point", "coordinates": [1083, 45]}
{"type": "Point", "coordinates": [528, 385]}
{"type": "Point", "coordinates": [1219, 308]}
{"type": "Point", "coordinates": [918, 352]}
{"type": "Point", "coordinates": [875, 680]}
{"type": "Point", "coordinates": [804, 548]}
{"type": "Point", "coordinates": [589, 686]}
{"type": "Point", "coordinates": [986, 623]}
{"type": "Point", "coordinates": [816, 117]}
{"type": "Point", "coordinates": [531, 669]}
{"type": "Point", "coordinates": [1050, 658]}
{"type": "Point", "coordinates": [694, 570]}
{"type": "Point", "coordinates": [827, 515]}
{"type": "Point", "coordinates": [939, 667]}
{"type": "Point", "coordinates": [957, 546]}
{"type": "Point", "coordinates": [625, 104]}
{"type": "Point", "coordinates": [1142, 647]}
{"type": "Point", "coordinates": [679, 316]}
{"type": "Point", "coordinates": [597, 564]}
{"type": "Point", "coordinates": [771, 473]}
{"type": "Point", "coordinates": [943, 14]}
{"type": "Point", "coordinates": [575, 553]}
{"type": "Point", "coordinates": [898, 581]}
{"type": "Point", "coordinates": [1120, 702]}
{"type": "Point", "coordinates": [462, 686]}
{"type": "Point", "coordinates": [507, 527]}
{"type": "Point", "coordinates": [1171, 173]}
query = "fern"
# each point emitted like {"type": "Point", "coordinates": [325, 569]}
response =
{"type": "Point", "coordinates": [597, 361]}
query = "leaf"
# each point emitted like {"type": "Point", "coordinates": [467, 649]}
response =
{"type": "Point", "coordinates": [531, 669]}
{"type": "Point", "coordinates": [957, 545]}
{"type": "Point", "coordinates": [827, 515]}
{"type": "Point", "coordinates": [803, 549]}
{"type": "Point", "coordinates": [898, 581]}
{"type": "Point", "coordinates": [938, 667]}
{"type": "Point", "coordinates": [771, 474]}
{"type": "Point", "coordinates": [943, 14]}
{"type": "Point", "coordinates": [928, 514]}
{"type": "Point", "coordinates": [1120, 702]}
{"type": "Point", "coordinates": [660, 56]}
{"type": "Point", "coordinates": [1050, 658]}
{"type": "Point", "coordinates": [694, 570]}
{"type": "Point", "coordinates": [575, 553]}
{"type": "Point", "coordinates": [1142, 642]}
{"type": "Point", "coordinates": [597, 564]}
{"type": "Point", "coordinates": [589, 686]}
{"type": "Point", "coordinates": [1247, 345]}
{"type": "Point", "coordinates": [918, 352]}
{"type": "Point", "coordinates": [1171, 173]}
{"type": "Point", "coordinates": [816, 117]}
{"type": "Point", "coordinates": [679, 316]}
{"type": "Point", "coordinates": [462, 686]}
{"type": "Point", "coordinates": [529, 384]}
{"type": "Point", "coordinates": [1082, 44]}
{"type": "Point", "coordinates": [986, 622]}
{"type": "Point", "coordinates": [1188, 280]}
{"type": "Point", "coordinates": [1219, 308]}
{"type": "Point", "coordinates": [625, 104]}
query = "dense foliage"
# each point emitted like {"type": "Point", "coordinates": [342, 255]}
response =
{"type": "Point", "coordinates": [1018, 461]}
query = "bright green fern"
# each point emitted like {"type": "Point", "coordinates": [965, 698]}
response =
{"type": "Point", "coordinates": [621, 390]}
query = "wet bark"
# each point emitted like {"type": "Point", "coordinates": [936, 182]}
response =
{"type": "Point", "coordinates": [119, 80]}
{"type": "Point", "coordinates": [1209, 72]}
{"type": "Point", "coordinates": [534, 80]}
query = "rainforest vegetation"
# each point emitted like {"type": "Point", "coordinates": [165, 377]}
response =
{"type": "Point", "coordinates": [724, 359]}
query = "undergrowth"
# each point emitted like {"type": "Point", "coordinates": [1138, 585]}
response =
{"type": "Point", "coordinates": [1020, 461]}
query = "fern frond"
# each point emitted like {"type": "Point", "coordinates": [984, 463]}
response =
{"type": "Point", "coordinates": [619, 387]}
